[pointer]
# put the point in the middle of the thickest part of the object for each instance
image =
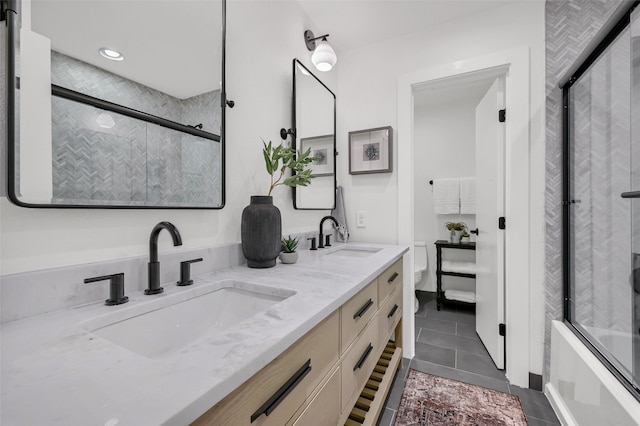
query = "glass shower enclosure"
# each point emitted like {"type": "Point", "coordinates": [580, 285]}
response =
{"type": "Point", "coordinates": [602, 202]}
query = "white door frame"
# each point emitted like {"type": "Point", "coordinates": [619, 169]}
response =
{"type": "Point", "coordinates": [517, 189]}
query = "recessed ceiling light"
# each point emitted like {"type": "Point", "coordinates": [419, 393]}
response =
{"type": "Point", "coordinates": [105, 121]}
{"type": "Point", "coordinates": [111, 54]}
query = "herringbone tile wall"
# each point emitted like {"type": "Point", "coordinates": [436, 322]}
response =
{"type": "Point", "coordinates": [569, 25]}
{"type": "Point", "coordinates": [132, 162]}
{"type": "Point", "coordinates": [601, 237]}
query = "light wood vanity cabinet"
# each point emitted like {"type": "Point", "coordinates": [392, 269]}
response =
{"type": "Point", "coordinates": [389, 281]}
{"type": "Point", "coordinates": [356, 314]}
{"type": "Point", "coordinates": [352, 364]}
{"type": "Point", "coordinates": [250, 403]}
{"type": "Point", "coordinates": [390, 315]}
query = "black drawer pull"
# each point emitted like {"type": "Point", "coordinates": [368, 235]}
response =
{"type": "Point", "coordinates": [363, 358]}
{"type": "Point", "coordinates": [393, 311]}
{"type": "Point", "coordinates": [364, 309]}
{"type": "Point", "coordinates": [393, 278]}
{"type": "Point", "coordinates": [275, 400]}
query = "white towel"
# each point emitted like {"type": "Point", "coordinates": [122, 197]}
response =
{"type": "Point", "coordinates": [446, 196]}
{"type": "Point", "coordinates": [341, 216]}
{"type": "Point", "coordinates": [460, 267]}
{"type": "Point", "coordinates": [468, 195]}
{"type": "Point", "coordinates": [460, 296]}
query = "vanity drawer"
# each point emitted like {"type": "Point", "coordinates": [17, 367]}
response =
{"type": "Point", "coordinates": [358, 363]}
{"type": "Point", "coordinates": [389, 315]}
{"type": "Point", "coordinates": [389, 280]}
{"type": "Point", "coordinates": [324, 409]}
{"type": "Point", "coordinates": [356, 313]}
{"type": "Point", "coordinates": [317, 349]}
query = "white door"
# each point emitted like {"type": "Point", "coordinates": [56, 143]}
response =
{"type": "Point", "coordinates": [490, 154]}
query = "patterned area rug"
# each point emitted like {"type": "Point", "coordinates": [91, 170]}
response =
{"type": "Point", "coordinates": [436, 401]}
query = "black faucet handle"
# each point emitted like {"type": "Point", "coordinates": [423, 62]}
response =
{"type": "Point", "coordinates": [313, 243]}
{"type": "Point", "coordinates": [185, 271]}
{"type": "Point", "coordinates": [116, 288]}
{"type": "Point", "coordinates": [327, 242]}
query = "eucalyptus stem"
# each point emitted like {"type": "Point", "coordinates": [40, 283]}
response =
{"type": "Point", "coordinates": [298, 162]}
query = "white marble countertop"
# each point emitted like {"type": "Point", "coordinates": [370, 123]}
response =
{"type": "Point", "coordinates": [53, 372]}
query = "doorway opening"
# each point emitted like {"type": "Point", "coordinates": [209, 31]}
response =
{"type": "Point", "coordinates": [513, 65]}
{"type": "Point", "coordinates": [459, 148]}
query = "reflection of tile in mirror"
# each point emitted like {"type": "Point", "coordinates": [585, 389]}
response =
{"type": "Point", "coordinates": [371, 151]}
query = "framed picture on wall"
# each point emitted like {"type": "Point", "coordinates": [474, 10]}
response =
{"type": "Point", "coordinates": [370, 150]}
{"type": "Point", "coordinates": [322, 150]}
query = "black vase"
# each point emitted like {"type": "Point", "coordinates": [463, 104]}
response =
{"type": "Point", "coordinates": [261, 232]}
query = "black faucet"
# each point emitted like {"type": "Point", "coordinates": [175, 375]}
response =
{"type": "Point", "coordinates": [321, 237]}
{"type": "Point", "coordinates": [116, 288]}
{"type": "Point", "coordinates": [154, 265]}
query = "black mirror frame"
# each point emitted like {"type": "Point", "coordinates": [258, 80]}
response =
{"type": "Point", "coordinates": [9, 14]}
{"type": "Point", "coordinates": [294, 133]}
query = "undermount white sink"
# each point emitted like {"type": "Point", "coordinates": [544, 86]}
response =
{"type": "Point", "coordinates": [353, 251]}
{"type": "Point", "coordinates": [171, 322]}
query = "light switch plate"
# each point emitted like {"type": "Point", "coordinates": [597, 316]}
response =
{"type": "Point", "coordinates": [361, 219]}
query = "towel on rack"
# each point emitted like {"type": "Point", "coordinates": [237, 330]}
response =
{"type": "Point", "coordinates": [446, 196]}
{"type": "Point", "coordinates": [468, 195]}
{"type": "Point", "coordinates": [341, 216]}
{"type": "Point", "coordinates": [460, 267]}
{"type": "Point", "coordinates": [460, 295]}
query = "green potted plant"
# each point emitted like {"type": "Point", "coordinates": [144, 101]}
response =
{"type": "Point", "coordinates": [297, 162]}
{"type": "Point", "coordinates": [455, 231]}
{"type": "Point", "coordinates": [261, 225]}
{"type": "Point", "coordinates": [465, 237]}
{"type": "Point", "coordinates": [288, 253]}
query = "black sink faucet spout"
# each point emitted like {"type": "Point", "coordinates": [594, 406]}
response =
{"type": "Point", "coordinates": [320, 236]}
{"type": "Point", "coordinates": [154, 264]}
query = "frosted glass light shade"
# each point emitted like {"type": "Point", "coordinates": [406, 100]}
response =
{"type": "Point", "coordinates": [323, 57]}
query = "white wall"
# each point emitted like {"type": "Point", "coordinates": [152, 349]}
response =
{"type": "Point", "coordinates": [368, 98]}
{"type": "Point", "coordinates": [444, 147]}
{"type": "Point", "coordinates": [262, 39]}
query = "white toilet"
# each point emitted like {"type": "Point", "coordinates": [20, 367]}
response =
{"type": "Point", "coordinates": [420, 263]}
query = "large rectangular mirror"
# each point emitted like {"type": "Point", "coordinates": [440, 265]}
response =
{"type": "Point", "coordinates": [314, 127]}
{"type": "Point", "coordinates": [117, 104]}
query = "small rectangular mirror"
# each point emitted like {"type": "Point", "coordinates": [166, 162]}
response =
{"type": "Point", "coordinates": [314, 125]}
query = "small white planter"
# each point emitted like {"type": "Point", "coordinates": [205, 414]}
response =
{"type": "Point", "coordinates": [454, 236]}
{"type": "Point", "coordinates": [289, 257]}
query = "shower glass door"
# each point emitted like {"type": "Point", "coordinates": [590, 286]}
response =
{"type": "Point", "coordinates": [635, 201]}
{"type": "Point", "coordinates": [603, 240]}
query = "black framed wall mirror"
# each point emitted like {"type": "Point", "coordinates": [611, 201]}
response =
{"type": "Point", "coordinates": [314, 124]}
{"type": "Point", "coordinates": [115, 104]}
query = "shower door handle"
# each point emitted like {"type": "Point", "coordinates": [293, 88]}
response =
{"type": "Point", "coordinates": [630, 194]}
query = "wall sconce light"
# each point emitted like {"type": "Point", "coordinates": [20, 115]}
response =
{"type": "Point", "coordinates": [323, 56]}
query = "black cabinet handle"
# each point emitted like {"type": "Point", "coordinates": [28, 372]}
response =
{"type": "Point", "coordinates": [393, 311]}
{"type": "Point", "coordinates": [363, 358]}
{"type": "Point", "coordinates": [364, 309]}
{"type": "Point", "coordinates": [475, 231]}
{"type": "Point", "coordinates": [631, 194]}
{"type": "Point", "coordinates": [393, 278]}
{"type": "Point", "coordinates": [275, 400]}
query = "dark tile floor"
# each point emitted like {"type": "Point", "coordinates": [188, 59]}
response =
{"type": "Point", "coordinates": [448, 346]}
